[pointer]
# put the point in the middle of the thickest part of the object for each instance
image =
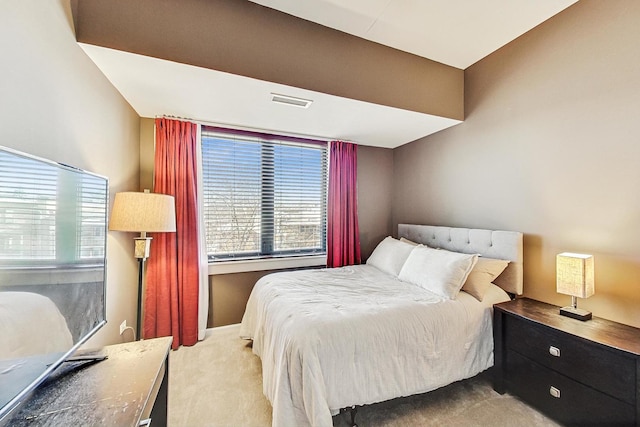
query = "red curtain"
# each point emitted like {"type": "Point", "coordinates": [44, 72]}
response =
{"type": "Point", "coordinates": [171, 297]}
{"type": "Point", "coordinates": [343, 235]}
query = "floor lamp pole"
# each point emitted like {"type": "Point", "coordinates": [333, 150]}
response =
{"type": "Point", "coordinates": [140, 276]}
{"type": "Point", "coordinates": [141, 252]}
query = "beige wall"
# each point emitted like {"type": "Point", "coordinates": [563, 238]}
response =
{"type": "Point", "coordinates": [147, 152]}
{"type": "Point", "coordinates": [228, 295]}
{"type": "Point", "coordinates": [375, 186]}
{"type": "Point", "coordinates": [56, 104]}
{"type": "Point", "coordinates": [549, 147]}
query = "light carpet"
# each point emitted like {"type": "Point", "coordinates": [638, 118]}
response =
{"type": "Point", "coordinates": [218, 383]}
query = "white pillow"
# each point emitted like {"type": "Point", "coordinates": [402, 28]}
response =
{"type": "Point", "coordinates": [439, 271]}
{"type": "Point", "coordinates": [390, 254]}
{"type": "Point", "coordinates": [482, 275]}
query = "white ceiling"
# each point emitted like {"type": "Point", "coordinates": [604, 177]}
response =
{"type": "Point", "coordinates": [454, 32]}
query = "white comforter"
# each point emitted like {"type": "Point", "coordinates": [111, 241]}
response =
{"type": "Point", "coordinates": [333, 338]}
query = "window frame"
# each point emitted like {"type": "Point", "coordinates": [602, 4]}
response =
{"type": "Point", "coordinates": [268, 258]}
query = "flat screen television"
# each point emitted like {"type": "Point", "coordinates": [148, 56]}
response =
{"type": "Point", "coordinates": [53, 224]}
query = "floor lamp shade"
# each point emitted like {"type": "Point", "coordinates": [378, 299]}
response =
{"type": "Point", "coordinates": [143, 212]}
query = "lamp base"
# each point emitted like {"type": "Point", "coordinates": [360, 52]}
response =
{"type": "Point", "coordinates": [575, 313]}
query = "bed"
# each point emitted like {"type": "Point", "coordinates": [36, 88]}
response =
{"type": "Point", "coordinates": [331, 339]}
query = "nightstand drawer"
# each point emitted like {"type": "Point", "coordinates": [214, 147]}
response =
{"type": "Point", "coordinates": [562, 398]}
{"type": "Point", "coordinates": [601, 368]}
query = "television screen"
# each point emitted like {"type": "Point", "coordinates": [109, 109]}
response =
{"type": "Point", "coordinates": [53, 223]}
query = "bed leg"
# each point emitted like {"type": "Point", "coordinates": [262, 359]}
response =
{"type": "Point", "coordinates": [353, 411]}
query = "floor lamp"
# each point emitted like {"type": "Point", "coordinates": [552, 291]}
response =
{"type": "Point", "coordinates": [142, 213]}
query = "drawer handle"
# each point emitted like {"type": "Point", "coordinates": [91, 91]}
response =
{"type": "Point", "coordinates": [554, 392]}
{"type": "Point", "coordinates": [554, 351]}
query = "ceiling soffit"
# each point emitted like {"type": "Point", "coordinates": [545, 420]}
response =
{"type": "Point", "coordinates": [247, 39]}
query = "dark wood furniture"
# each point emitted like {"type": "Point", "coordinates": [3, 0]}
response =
{"type": "Point", "coordinates": [129, 388]}
{"type": "Point", "coordinates": [579, 373]}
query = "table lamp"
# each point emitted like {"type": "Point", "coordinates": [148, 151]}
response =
{"type": "Point", "coordinates": [574, 276]}
{"type": "Point", "coordinates": [142, 212]}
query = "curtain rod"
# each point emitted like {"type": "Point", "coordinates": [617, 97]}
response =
{"type": "Point", "coordinates": [252, 129]}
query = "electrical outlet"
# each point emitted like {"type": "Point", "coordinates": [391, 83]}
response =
{"type": "Point", "coordinates": [123, 326]}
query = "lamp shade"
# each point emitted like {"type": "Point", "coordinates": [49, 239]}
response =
{"type": "Point", "coordinates": [143, 212]}
{"type": "Point", "coordinates": [574, 274]}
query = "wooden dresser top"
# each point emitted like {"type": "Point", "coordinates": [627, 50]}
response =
{"type": "Point", "coordinates": [605, 332]}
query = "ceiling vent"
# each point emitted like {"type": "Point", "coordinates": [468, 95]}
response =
{"type": "Point", "coordinates": [291, 100]}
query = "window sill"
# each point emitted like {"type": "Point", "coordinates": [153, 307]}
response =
{"type": "Point", "coordinates": [226, 267]}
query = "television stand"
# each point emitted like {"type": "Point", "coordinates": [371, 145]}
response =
{"type": "Point", "coordinates": [128, 388]}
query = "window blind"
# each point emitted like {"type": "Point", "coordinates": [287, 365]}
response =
{"type": "Point", "coordinates": [264, 195]}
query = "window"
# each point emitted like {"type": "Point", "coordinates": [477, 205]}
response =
{"type": "Point", "coordinates": [264, 195]}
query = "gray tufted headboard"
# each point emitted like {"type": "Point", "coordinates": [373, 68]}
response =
{"type": "Point", "coordinates": [490, 243]}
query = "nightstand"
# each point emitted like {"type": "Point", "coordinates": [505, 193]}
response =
{"type": "Point", "coordinates": [579, 373]}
